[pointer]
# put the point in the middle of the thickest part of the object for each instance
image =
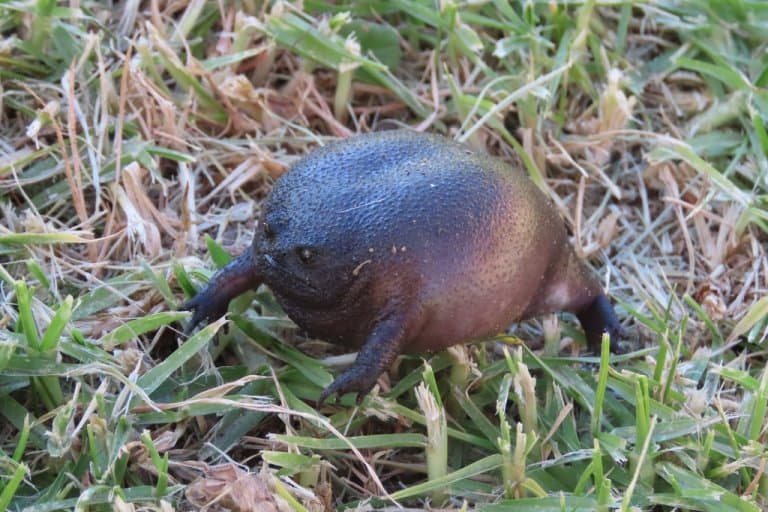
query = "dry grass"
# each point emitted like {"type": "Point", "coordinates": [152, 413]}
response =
{"type": "Point", "coordinates": [131, 134]}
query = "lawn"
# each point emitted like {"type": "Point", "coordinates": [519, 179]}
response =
{"type": "Point", "coordinates": [138, 139]}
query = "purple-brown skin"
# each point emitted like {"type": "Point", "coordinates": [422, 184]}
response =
{"type": "Point", "coordinates": [397, 242]}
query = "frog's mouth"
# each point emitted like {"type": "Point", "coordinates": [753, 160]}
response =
{"type": "Point", "coordinates": [298, 285]}
{"type": "Point", "coordinates": [292, 276]}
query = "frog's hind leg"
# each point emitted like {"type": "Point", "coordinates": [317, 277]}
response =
{"type": "Point", "coordinates": [573, 287]}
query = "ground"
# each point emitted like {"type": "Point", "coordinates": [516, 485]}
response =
{"type": "Point", "coordinates": [137, 140]}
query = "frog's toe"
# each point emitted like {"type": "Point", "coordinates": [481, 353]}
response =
{"type": "Point", "coordinates": [203, 309]}
{"type": "Point", "coordinates": [351, 381]}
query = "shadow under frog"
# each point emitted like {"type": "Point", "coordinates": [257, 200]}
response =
{"type": "Point", "coordinates": [397, 242]}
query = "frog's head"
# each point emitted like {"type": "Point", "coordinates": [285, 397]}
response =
{"type": "Point", "coordinates": [306, 252]}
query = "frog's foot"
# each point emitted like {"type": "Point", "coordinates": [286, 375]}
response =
{"type": "Point", "coordinates": [356, 379]}
{"type": "Point", "coordinates": [205, 307]}
{"type": "Point", "coordinates": [598, 318]}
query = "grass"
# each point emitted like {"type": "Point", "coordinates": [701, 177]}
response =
{"type": "Point", "coordinates": [137, 142]}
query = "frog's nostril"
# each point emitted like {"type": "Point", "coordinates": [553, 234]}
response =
{"type": "Point", "coordinates": [269, 234]}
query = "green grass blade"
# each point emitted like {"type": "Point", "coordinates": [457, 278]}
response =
{"type": "Point", "coordinates": [59, 321]}
{"type": "Point", "coordinates": [156, 376]}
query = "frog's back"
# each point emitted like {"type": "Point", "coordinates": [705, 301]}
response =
{"type": "Point", "coordinates": [418, 188]}
{"type": "Point", "coordinates": [387, 158]}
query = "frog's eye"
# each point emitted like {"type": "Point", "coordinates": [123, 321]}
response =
{"type": "Point", "coordinates": [304, 254]}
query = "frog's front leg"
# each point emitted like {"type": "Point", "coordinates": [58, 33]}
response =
{"type": "Point", "coordinates": [210, 303]}
{"type": "Point", "coordinates": [390, 334]}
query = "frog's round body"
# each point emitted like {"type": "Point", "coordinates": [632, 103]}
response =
{"type": "Point", "coordinates": [399, 241]}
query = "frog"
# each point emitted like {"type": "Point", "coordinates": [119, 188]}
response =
{"type": "Point", "coordinates": [398, 242]}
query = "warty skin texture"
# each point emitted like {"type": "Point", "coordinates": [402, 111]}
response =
{"type": "Point", "coordinates": [397, 242]}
